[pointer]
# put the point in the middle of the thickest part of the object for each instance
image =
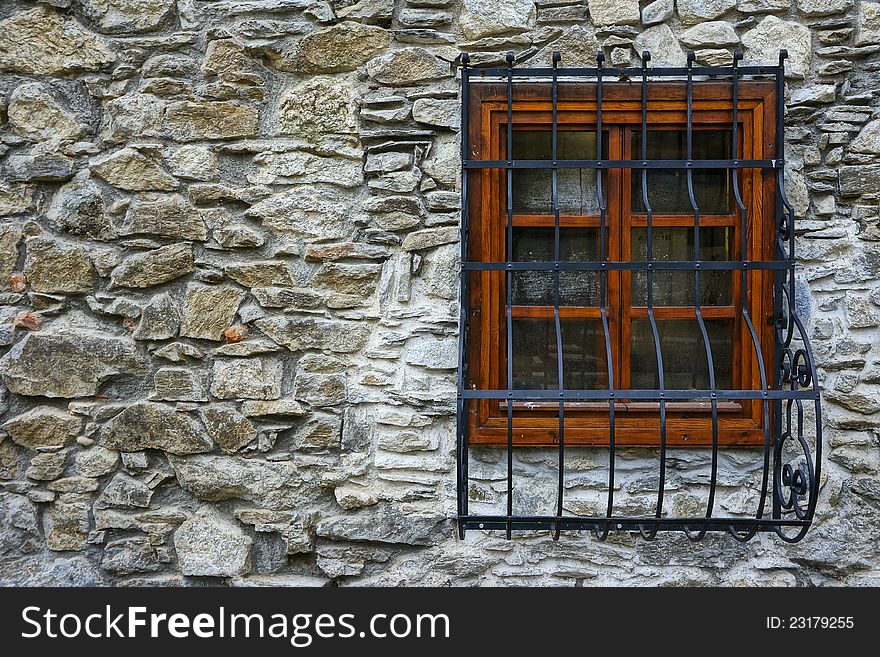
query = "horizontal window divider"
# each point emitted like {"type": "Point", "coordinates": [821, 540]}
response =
{"type": "Point", "coordinates": [687, 265]}
{"type": "Point", "coordinates": [623, 164]}
{"type": "Point", "coordinates": [526, 395]}
{"type": "Point", "coordinates": [609, 74]}
{"type": "Point", "coordinates": [625, 523]}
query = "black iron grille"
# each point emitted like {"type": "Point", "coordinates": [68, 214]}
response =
{"type": "Point", "coordinates": [788, 488]}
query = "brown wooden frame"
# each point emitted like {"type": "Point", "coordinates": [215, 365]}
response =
{"type": "Point", "coordinates": [636, 423]}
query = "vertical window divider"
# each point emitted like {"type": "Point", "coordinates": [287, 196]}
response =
{"type": "Point", "coordinates": [508, 253]}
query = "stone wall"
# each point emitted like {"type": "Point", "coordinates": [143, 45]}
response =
{"type": "Point", "coordinates": [228, 313]}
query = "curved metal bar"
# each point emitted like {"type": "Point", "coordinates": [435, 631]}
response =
{"type": "Point", "coordinates": [603, 291]}
{"type": "Point", "coordinates": [509, 282]}
{"type": "Point", "coordinates": [461, 405]}
{"type": "Point", "coordinates": [556, 57]}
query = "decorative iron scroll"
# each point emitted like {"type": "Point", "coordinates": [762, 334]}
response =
{"type": "Point", "coordinates": [792, 440]}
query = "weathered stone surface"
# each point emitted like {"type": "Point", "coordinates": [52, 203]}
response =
{"type": "Point", "coordinates": [762, 6]}
{"type": "Point", "coordinates": [762, 43]}
{"type": "Point", "coordinates": [254, 378]}
{"type": "Point", "coordinates": [130, 556]}
{"type": "Point", "coordinates": [407, 66]}
{"type": "Point", "coordinates": [39, 165]}
{"type": "Point", "coordinates": [179, 384]}
{"type": "Point", "coordinates": [133, 171]}
{"type": "Point", "coordinates": [168, 215]}
{"type": "Point", "coordinates": [127, 15]}
{"type": "Point", "coordinates": [66, 524]}
{"type": "Point", "coordinates": [66, 362]}
{"type": "Point", "coordinates": [9, 239]}
{"type": "Point", "coordinates": [319, 105]}
{"type": "Point", "coordinates": [260, 274]}
{"type": "Point", "coordinates": [193, 162]}
{"type": "Point", "coordinates": [662, 44]}
{"type": "Point", "coordinates": [273, 485]}
{"type": "Point", "coordinates": [42, 427]}
{"type": "Point", "coordinates": [696, 11]}
{"type": "Point", "coordinates": [160, 319]}
{"type": "Point", "coordinates": [658, 11]}
{"type": "Point", "coordinates": [96, 461]}
{"type": "Point", "coordinates": [482, 18]}
{"type": "Point", "coordinates": [823, 7]}
{"type": "Point", "coordinates": [210, 544]}
{"type": "Point", "coordinates": [301, 333]}
{"type": "Point", "coordinates": [868, 139]}
{"type": "Point", "coordinates": [860, 179]}
{"type": "Point", "coordinates": [208, 310]}
{"type": "Point", "coordinates": [307, 213]}
{"type": "Point", "coordinates": [36, 113]}
{"type": "Point", "coordinates": [614, 12]}
{"type": "Point", "coordinates": [191, 121]}
{"type": "Point", "coordinates": [441, 113]}
{"type": "Point", "coordinates": [46, 466]}
{"type": "Point", "coordinates": [147, 425]}
{"type": "Point", "coordinates": [126, 491]}
{"type": "Point", "coordinates": [343, 47]}
{"type": "Point", "coordinates": [359, 280]}
{"type": "Point", "coordinates": [230, 429]}
{"type": "Point", "coordinates": [867, 24]}
{"type": "Point", "coordinates": [385, 524]}
{"type": "Point", "coordinates": [79, 208]}
{"type": "Point", "coordinates": [432, 353]}
{"type": "Point", "coordinates": [133, 116]}
{"type": "Point", "coordinates": [154, 267]}
{"type": "Point", "coordinates": [709, 34]}
{"type": "Point", "coordinates": [260, 408]}
{"type": "Point", "coordinates": [42, 41]}
{"type": "Point", "coordinates": [53, 266]}
{"type": "Point", "coordinates": [429, 238]}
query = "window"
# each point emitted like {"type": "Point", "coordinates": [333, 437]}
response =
{"type": "Point", "coordinates": [631, 297]}
{"type": "Point", "coordinates": [628, 258]}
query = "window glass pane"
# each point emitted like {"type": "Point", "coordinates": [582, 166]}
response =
{"type": "Point", "coordinates": [576, 188]}
{"type": "Point", "coordinates": [534, 354]}
{"type": "Point", "coordinates": [684, 354]}
{"type": "Point", "coordinates": [667, 188]}
{"type": "Point", "coordinates": [676, 288]}
{"type": "Point", "coordinates": [535, 288]}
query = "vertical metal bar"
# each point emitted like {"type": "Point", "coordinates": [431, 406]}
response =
{"type": "Point", "coordinates": [603, 284]}
{"type": "Point", "coordinates": [710, 362]}
{"type": "Point", "coordinates": [652, 321]}
{"type": "Point", "coordinates": [508, 255]}
{"type": "Point", "coordinates": [556, 57]}
{"type": "Point", "coordinates": [461, 408]}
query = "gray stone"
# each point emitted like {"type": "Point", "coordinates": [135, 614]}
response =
{"type": "Point", "coordinates": [385, 524]}
{"type": "Point", "coordinates": [66, 362]}
{"type": "Point", "coordinates": [662, 44]}
{"type": "Point", "coordinates": [36, 113]}
{"type": "Point", "coordinates": [433, 353]}
{"type": "Point", "coordinates": [191, 121]}
{"type": "Point", "coordinates": [441, 113]}
{"type": "Point", "coordinates": [762, 43]}
{"type": "Point", "coordinates": [254, 378]}
{"type": "Point", "coordinates": [133, 171]}
{"type": "Point", "coordinates": [261, 408]}
{"type": "Point", "coordinates": [260, 273]}
{"type": "Point", "coordinates": [147, 425]}
{"type": "Point", "coordinates": [42, 41]}
{"type": "Point", "coordinates": [692, 12]}
{"type": "Point", "coordinates": [43, 427]}
{"type": "Point", "coordinates": [359, 280]}
{"type": "Point", "coordinates": [47, 467]}
{"type": "Point", "coordinates": [130, 556]}
{"type": "Point", "coordinates": [9, 239]}
{"type": "Point", "coordinates": [711, 33]}
{"type": "Point", "coordinates": [168, 215]}
{"type": "Point", "coordinates": [867, 24]}
{"type": "Point", "coordinates": [208, 310]}
{"type": "Point", "coordinates": [39, 166]}
{"type": "Point", "coordinates": [133, 116]}
{"type": "Point", "coordinates": [823, 7]}
{"type": "Point", "coordinates": [658, 11]}
{"type": "Point", "coordinates": [66, 524]}
{"type": "Point", "coordinates": [868, 139]}
{"type": "Point", "coordinates": [154, 267]}
{"type": "Point", "coordinates": [127, 492]}
{"type": "Point", "coordinates": [230, 429]}
{"type": "Point", "coordinates": [96, 461]}
{"type": "Point", "coordinates": [210, 544]}
{"type": "Point", "coordinates": [614, 12]}
{"type": "Point", "coordinates": [193, 162]}
{"type": "Point", "coordinates": [387, 162]}
{"type": "Point", "coordinates": [343, 47]}
{"type": "Point", "coordinates": [179, 384]}
{"type": "Point", "coordinates": [118, 16]}
{"type": "Point", "coordinates": [762, 6]}
{"type": "Point", "coordinates": [859, 179]}
{"type": "Point", "coordinates": [159, 320]}
{"type": "Point", "coordinates": [407, 66]}
{"type": "Point", "coordinates": [482, 18]}
{"type": "Point", "coordinates": [308, 213]}
{"type": "Point", "coordinates": [430, 237]}
{"type": "Point", "coordinates": [301, 333]}
{"type": "Point", "coordinates": [53, 266]}
{"type": "Point", "coordinates": [79, 208]}
{"type": "Point", "coordinates": [354, 497]}
{"type": "Point", "coordinates": [319, 105]}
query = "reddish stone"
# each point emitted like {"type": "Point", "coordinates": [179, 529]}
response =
{"type": "Point", "coordinates": [18, 283]}
{"type": "Point", "coordinates": [235, 333]}
{"type": "Point", "coordinates": [28, 320]}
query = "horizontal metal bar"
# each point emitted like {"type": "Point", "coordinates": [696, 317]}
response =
{"type": "Point", "coordinates": [624, 523]}
{"type": "Point", "coordinates": [527, 395]}
{"type": "Point", "coordinates": [688, 265]}
{"type": "Point", "coordinates": [610, 73]}
{"type": "Point", "coordinates": [623, 164]}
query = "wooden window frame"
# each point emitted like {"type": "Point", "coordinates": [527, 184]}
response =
{"type": "Point", "coordinates": [636, 424]}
